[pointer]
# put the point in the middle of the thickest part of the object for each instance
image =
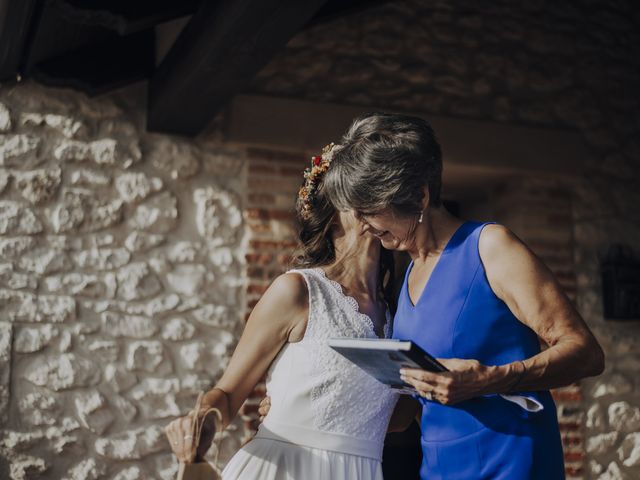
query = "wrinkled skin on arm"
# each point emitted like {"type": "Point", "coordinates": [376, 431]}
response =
{"type": "Point", "coordinates": [534, 296]}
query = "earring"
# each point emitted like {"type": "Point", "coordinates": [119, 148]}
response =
{"type": "Point", "coordinates": [420, 219]}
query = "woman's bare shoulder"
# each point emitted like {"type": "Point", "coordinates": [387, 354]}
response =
{"type": "Point", "coordinates": [287, 292]}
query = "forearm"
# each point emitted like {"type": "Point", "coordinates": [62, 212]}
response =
{"type": "Point", "coordinates": [220, 399]}
{"type": "Point", "coordinates": [557, 366]}
{"type": "Point", "coordinates": [404, 413]}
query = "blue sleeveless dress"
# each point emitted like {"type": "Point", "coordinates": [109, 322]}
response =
{"type": "Point", "coordinates": [459, 316]}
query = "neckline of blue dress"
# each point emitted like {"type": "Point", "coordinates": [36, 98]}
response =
{"type": "Point", "coordinates": [445, 250]}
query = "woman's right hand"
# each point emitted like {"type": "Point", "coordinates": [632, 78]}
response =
{"type": "Point", "coordinates": [264, 407]}
{"type": "Point", "coordinates": [179, 434]}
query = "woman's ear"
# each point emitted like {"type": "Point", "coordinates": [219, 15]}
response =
{"type": "Point", "coordinates": [425, 198]}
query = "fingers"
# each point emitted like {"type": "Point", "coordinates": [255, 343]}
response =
{"type": "Point", "coordinates": [180, 438]}
{"type": "Point", "coordinates": [264, 407]}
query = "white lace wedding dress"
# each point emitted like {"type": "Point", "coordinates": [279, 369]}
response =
{"type": "Point", "coordinates": [328, 418]}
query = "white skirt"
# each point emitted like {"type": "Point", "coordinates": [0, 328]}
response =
{"type": "Point", "coordinates": [268, 459]}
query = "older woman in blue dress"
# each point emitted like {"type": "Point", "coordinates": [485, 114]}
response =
{"type": "Point", "coordinates": [475, 296]}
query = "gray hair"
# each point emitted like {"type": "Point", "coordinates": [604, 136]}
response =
{"type": "Point", "coordinates": [385, 160]}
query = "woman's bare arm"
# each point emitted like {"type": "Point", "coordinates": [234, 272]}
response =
{"type": "Point", "coordinates": [534, 296]}
{"type": "Point", "coordinates": [406, 411]}
{"type": "Point", "coordinates": [279, 317]}
{"type": "Point", "coordinates": [279, 312]}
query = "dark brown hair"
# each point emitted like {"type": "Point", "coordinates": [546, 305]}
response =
{"type": "Point", "coordinates": [385, 161]}
{"type": "Point", "coordinates": [315, 241]}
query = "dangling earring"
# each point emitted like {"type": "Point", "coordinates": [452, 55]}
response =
{"type": "Point", "coordinates": [420, 219]}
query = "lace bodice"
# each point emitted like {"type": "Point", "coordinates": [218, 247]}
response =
{"type": "Point", "coordinates": [317, 389]}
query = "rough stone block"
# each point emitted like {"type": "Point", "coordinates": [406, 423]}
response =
{"type": "Point", "coordinates": [136, 281]}
{"type": "Point", "coordinates": [5, 118]}
{"type": "Point", "coordinates": [218, 216]}
{"type": "Point", "coordinates": [157, 397]}
{"type": "Point", "coordinates": [624, 417]}
{"type": "Point", "coordinates": [145, 356]}
{"type": "Point", "coordinates": [44, 260]}
{"type": "Point", "coordinates": [158, 214]}
{"type": "Point", "coordinates": [15, 148]}
{"type": "Point", "coordinates": [6, 337]}
{"type": "Point", "coordinates": [178, 329]}
{"type": "Point", "coordinates": [599, 444]}
{"type": "Point", "coordinates": [67, 126]}
{"type": "Point", "coordinates": [118, 378]}
{"type": "Point", "coordinates": [90, 178]}
{"type": "Point", "coordinates": [102, 258]}
{"type": "Point", "coordinates": [142, 241]}
{"type": "Point", "coordinates": [87, 469]}
{"type": "Point", "coordinates": [187, 279]}
{"type": "Point", "coordinates": [178, 160]}
{"type": "Point", "coordinates": [93, 411]}
{"type": "Point", "coordinates": [39, 185]}
{"type": "Point", "coordinates": [629, 451]}
{"type": "Point", "coordinates": [33, 339]}
{"type": "Point", "coordinates": [131, 326]}
{"type": "Point", "coordinates": [134, 187]}
{"type": "Point", "coordinates": [132, 444]}
{"type": "Point", "coordinates": [17, 219]}
{"type": "Point", "coordinates": [62, 372]}
{"type": "Point", "coordinates": [11, 248]}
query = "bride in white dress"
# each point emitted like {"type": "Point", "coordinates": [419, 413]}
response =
{"type": "Point", "coordinates": [329, 418]}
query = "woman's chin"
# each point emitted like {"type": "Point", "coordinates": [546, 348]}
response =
{"type": "Point", "coordinates": [392, 244]}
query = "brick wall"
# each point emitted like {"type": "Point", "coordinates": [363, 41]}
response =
{"type": "Point", "coordinates": [273, 180]}
{"type": "Point", "coordinates": [539, 211]}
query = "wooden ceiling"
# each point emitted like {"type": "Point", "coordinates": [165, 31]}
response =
{"type": "Point", "coordinates": [99, 45]}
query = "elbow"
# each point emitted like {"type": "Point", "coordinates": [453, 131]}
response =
{"type": "Point", "coordinates": [593, 359]}
{"type": "Point", "coordinates": [599, 362]}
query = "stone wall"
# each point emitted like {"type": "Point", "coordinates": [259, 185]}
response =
{"type": "Point", "coordinates": [552, 64]}
{"type": "Point", "coordinates": [121, 283]}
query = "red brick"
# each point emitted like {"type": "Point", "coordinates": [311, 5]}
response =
{"type": "Point", "coordinates": [265, 244]}
{"type": "Point", "coordinates": [568, 441]}
{"type": "Point", "coordinates": [260, 259]}
{"type": "Point", "coordinates": [569, 426]}
{"type": "Point", "coordinates": [260, 227]}
{"type": "Point", "coordinates": [285, 259]}
{"type": "Point", "coordinates": [262, 169]}
{"type": "Point", "coordinates": [255, 272]}
{"type": "Point", "coordinates": [252, 303]}
{"type": "Point", "coordinates": [573, 470]}
{"type": "Point", "coordinates": [568, 395]}
{"type": "Point", "coordinates": [261, 198]}
{"type": "Point", "coordinates": [258, 289]}
{"type": "Point", "coordinates": [292, 172]}
{"type": "Point", "coordinates": [268, 214]}
{"type": "Point", "coordinates": [573, 456]}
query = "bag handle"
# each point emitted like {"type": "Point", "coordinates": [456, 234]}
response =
{"type": "Point", "coordinates": [198, 425]}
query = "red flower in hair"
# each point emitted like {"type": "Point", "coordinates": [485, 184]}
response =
{"type": "Point", "coordinates": [316, 160]}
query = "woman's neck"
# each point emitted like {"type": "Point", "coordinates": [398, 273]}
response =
{"type": "Point", "coordinates": [432, 235]}
{"type": "Point", "coordinates": [357, 268]}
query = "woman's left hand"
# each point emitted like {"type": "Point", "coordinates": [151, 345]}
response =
{"type": "Point", "coordinates": [464, 380]}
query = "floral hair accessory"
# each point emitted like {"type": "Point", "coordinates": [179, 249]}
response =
{"type": "Point", "coordinates": [312, 175]}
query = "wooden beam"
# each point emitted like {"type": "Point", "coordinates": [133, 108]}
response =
{"type": "Point", "coordinates": [100, 66]}
{"type": "Point", "coordinates": [472, 150]}
{"type": "Point", "coordinates": [217, 54]}
{"type": "Point", "coordinates": [124, 16]}
{"type": "Point", "coordinates": [16, 19]}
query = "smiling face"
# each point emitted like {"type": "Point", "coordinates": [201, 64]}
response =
{"type": "Point", "coordinates": [395, 232]}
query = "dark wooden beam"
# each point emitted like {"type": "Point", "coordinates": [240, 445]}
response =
{"type": "Point", "coordinates": [124, 16]}
{"type": "Point", "coordinates": [217, 54]}
{"type": "Point", "coordinates": [100, 66]}
{"type": "Point", "coordinates": [16, 19]}
{"type": "Point", "coordinates": [334, 9]}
